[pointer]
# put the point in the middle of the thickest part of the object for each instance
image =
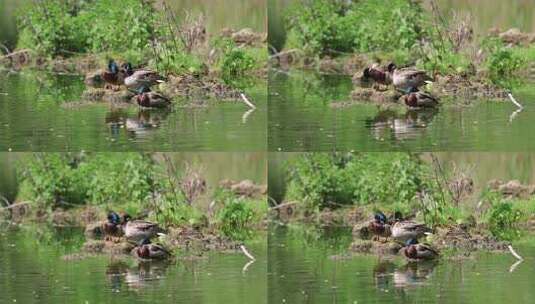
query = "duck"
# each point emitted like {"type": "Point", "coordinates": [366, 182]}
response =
{"type": "Point", "coordinates": [138, 230]}
{"type": "Point", "coordinates": [147, 99]}
{"type": "Point", "coordinates": [377, 75]}
{"type": "Point", "coordinates": [417, 99]}
{"type": "Point", "coordinates": [414, 251]}
{"type": "Point", "coordinates": [148, 251]}
{"type": "Point", "coordinates": [379, 226]}
{"type": "Point", "coordinates": [136, 79]}
{"type": "Point", "coordinates": [405, 78]}
{"type": "Point", "coordinates": [113, 75]}
{"type": "Point", "coordinates": [112, 227]}
{"type": "Point", "coordinates": [406, 230]}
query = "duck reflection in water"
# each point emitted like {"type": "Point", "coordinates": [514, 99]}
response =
{"type": "Point", "coordinates": [387, 275]}
{"type": "Point", "coordinates": [121, 274]}
{"type": "Point", "coordinates": [413, 274]}
{"type": "Point", "coordinates": [392, 125]}
{"type": "Point", "coordinates": [141, 124]}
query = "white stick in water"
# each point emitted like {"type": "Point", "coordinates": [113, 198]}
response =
{"type": "Point", "coordinates": [513, 252]}
{"type": "Point", "coordinates": [515, 265]}
{"type": "Point", "coordinates": [246, 101]}
{"type": "Point", "coordinates": [513, 100]}
{"type": "Point", "coordinates": [247, 254]}
{"type": "Point", "coordinates": [251, 262]}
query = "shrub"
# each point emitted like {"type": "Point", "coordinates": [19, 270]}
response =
{"type": "Point", "coordinates": [113, 180]}
{"type": "Point", "coordinates": [502, 62]}
{"type": "Point", "coordinates": [58, 27]}
{"type": "Point", "coordinates": [49, 180]}
{"type": "Point", "coordinates": [327, 180]}
{"type": "Point", "coordinates": [52, 27]}
{"type": "Point", "coordinates": [236, 217]}
{"type": "Point", "coordinates": [234, 61]}
{"type": "Point", "coordinates": [503, 219]}
{"type": "Point", "coordinates": [329, 27]}
{"type": "Point", "coordinates": [54, 179]}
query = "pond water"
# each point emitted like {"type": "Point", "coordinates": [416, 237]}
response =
{"type": "Point", "coordinates": [301, 118]}
{"type": "Point", "coordinates": [41, 112]}
{"type": "Point", "coordinates": [305, 269]}
{"type": "Point", "coordinates": [33, 270]}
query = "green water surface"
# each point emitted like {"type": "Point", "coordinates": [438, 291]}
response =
{"type": "Point", "coordinates": [302, 118]}
{"type": "Point", "coordinates": [42, 112]}
{"type": "Point", "coordinates": [315, 268]}
{"type": "Point", "coordinates": [34, 269]}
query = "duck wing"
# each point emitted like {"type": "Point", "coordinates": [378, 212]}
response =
{"type": "Point", "coordinates": [144, 225]}
{"type": "Point", "coordinates": [158, 96]}
{"type": "Point", "coordinates": [427, 247]}
{"type": "Point", "coordinates": [147, 75]}
{"type": "Point", "coordinates": [427, 99]}
{"type": "Point", "coordinates": [159, 247]}
{"type": "Point", "coordinates": [413, 226]}
{"type": "Point", "coordinates": [412, 73]}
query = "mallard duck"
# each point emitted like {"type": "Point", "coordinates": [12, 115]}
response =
{"type": "Point", "coordinates": [112, 228]}
{"type": "Point", "coordinates": [377, 75]}
{"type": "Point", "coordinates": [415, 251]}
{"type": "Point", "coordinates": [138, 230]}
{"type": "Point", "coordinates": [148, 99]}
{"type": "Point", "coordinates": [113, 75]}
{"type": "Point", "coordinates": [148, 251]}
{"type": "Point", "coordinates": [136, 79]}
{"type": "Point", "coordinates": [406, 78]}
{"type": "Point", "coordinates": [379, 226]}
{"type": "Point", "coordinates": [405, 230]}
{"type": "Point", "coordinates": [418, 99]}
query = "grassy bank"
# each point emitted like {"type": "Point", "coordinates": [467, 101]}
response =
{"type": "Point", "coordinates": [338, 189]}
{"type": "Point", "coordinates": [78, 189]}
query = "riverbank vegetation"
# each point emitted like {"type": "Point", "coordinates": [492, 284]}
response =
{"type": "Point", "coordinates": [79, 189]}
{"type": "Point", "coordinates": [347, 36]}
{"type": "Point", "coordinates": [346, 189]}
{"type": "Point", "coordinates": [81, 36]}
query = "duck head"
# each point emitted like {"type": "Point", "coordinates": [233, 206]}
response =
{"type": "Point", "coordinates": [143, 89]}
{"type": "Point", "coordinates": [410, 242]}
{"type": "Point", "coordinates": [144, 241]}
{"type": "Point", "coordinates": [380, 217]}
{"type": "Point", "coordinates": [127, 67]}
{"type": "Point", "coordinates": [113, 67]}
{"type": "Point", "coordinates": [391, 67]}
{"type": "Point", "coordinates": [398, 216]}
{"type": "Point", "coordinates": [126, 218]}
{"type": "Point", "coordinates": [143, 251]}
{"type": "Point", "coordinates": [366, 73]}
{"type": "Point", "coordinates": [114, 218]}
{"type": "Point", "coordinates": [411, 99]}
